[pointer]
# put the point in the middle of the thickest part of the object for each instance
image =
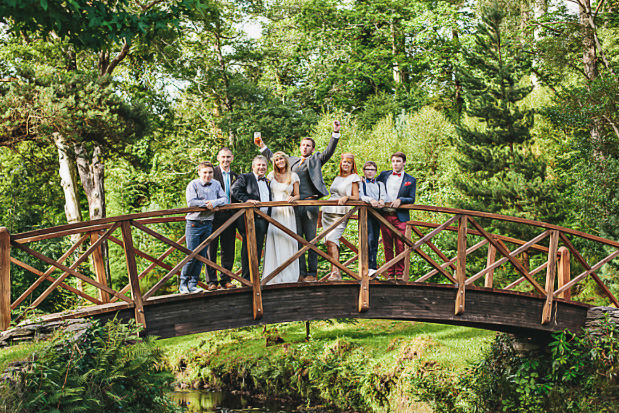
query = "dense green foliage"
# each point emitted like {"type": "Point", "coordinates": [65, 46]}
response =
{"type": "Point", "coordinates": [572, 374]}
{"type": "Point", "coordinates": [108, 368]}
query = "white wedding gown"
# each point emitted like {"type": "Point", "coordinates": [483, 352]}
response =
{"type": "Point", "coordinates": [280, 246]}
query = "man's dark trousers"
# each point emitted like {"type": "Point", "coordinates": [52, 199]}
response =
{"type": "Point", "coordinates": [227, 241]}
{"type": "Point", "coordinates": [307, 221]}
{"type": "Point", "coordinates": [261, 232]}
{"type": "Point", "coordinates": [373, 236]}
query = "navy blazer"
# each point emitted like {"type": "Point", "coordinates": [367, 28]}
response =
{"type": "Point", "coordinates": [406, 194]}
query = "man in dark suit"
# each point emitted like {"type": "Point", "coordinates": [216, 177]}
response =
{"type": "Point", "coordinates": [401, 189]}
{"type": "Point", "coordinates": [254, 188]}
{"type": "Point", "coordinates": [311, 187]}
{"type": "Point", "coordinates": [226, 177]}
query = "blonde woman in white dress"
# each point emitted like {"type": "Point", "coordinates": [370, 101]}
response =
{"type": "Point", "coordinates": [345, 187]}
{"type": "Point", "coordinates": [279, 245]}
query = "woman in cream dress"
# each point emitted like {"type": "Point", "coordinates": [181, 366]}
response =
{"type": "Point", "coordinates": [345, 187]}
{"type": "Point", "coordinates": [280, 246]}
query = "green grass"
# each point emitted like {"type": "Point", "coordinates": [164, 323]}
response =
{"type": "Point", "coordinates": [450, 346]}
{"type": "Point", "coordinates": [18, 352]}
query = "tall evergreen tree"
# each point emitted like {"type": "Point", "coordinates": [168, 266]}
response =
{"type": "Point", "coordinates": [500, 173]}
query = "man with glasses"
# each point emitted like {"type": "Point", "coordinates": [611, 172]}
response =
{"type": "Point", "coordinates": [374, 193]}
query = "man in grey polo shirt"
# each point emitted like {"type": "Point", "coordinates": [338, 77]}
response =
{"type": "Point", "coordinates": [206, 193]}
{"type": "Point", "coordinates": [311, 187]}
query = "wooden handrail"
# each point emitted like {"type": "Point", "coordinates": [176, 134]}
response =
{"type": "Point", "coordinates": [463, 222]}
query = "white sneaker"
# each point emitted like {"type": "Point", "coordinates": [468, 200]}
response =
{"type": "Point", "coordinates": [195, 290]}
{"type": "Point", "coordinates": [371, 272]}
{"type": "Point", "coordinates": [183, 289]}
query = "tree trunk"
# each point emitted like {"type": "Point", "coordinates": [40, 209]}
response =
{"type": "Point", "coordinates": [540, 7]}
{"type": "Point", "coordinates": [397, 75]}
{"type": "Point", "coordinates": [91, 170]}
{"type": "Point", "coordinates": [92, 174]}
{"type": "Point", "coordinates": [589, 51]}
{"type": "Point", "coordinates": [68, 180]}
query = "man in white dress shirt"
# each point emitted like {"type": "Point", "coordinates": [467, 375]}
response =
{"type": "Point", "coordinates": [401, 189]}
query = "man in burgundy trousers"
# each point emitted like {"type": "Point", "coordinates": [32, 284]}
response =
{"type": "Point", "coordinates": [401, 189]}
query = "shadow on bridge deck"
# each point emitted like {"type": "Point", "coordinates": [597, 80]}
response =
{"type": "Point", "coordinates": [486, 308]}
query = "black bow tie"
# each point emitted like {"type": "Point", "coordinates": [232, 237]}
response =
{"type": "Point", "coordinates": [263, 179]}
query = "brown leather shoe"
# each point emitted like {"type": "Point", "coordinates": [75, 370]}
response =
{"type": "Point", "coordinates": [309, 279]}
{"type": "Point", "coordinates": [213, 287]}
{"type": "Point", "coordinates": [229, 285]}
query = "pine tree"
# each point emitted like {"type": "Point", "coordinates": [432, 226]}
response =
{"type": "Point", "coordinates": [499, 171]}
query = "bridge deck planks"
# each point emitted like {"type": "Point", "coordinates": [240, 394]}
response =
{"type": "Point", "coordinates": [492, 309]}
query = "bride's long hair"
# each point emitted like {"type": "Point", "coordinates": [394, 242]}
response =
{"type": "Point", "coordinates": [286, 172]}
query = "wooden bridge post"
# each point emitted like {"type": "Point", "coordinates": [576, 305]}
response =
{"type": "Point", "coordinates": [489, 280]}
{"type": "Point", "coordinates": [564, 272]}
{"type": "Point", "coordinates": [364, 292]}
{"type": "Point", "coordinates": [5, 279]}
{"type": "Point", "coordinates": [99, 266]}
{"type": "Point", "coordinates": [550, 276]}
{"type": "Point", "coordinates": [254, 264]}
{"type": "Point", "coordinates": [406, 275]}
{"type": "Point", "coordinates": [461, 268]}
{"type": "Point", "coordinates": [132, 270]}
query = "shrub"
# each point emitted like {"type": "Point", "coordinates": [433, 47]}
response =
{"type": "Point", "coordinates": [572, 374]}
{"type": "Point", "coordinates": [107, 368]}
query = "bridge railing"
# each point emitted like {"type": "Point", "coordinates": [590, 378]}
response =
{"type": "Point", "coordinates": [471, 239]}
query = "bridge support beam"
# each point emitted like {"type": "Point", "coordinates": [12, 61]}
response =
{"type": "Point", "coordinates": [5, 279]}
{"type": "Point", "coordinates": [550, 276]}
{"type": "Point", "coordinates": [461, 268]}
{"type": "Point", "coordinates": [132, 270]}
{"type": "Point", "coordinates": [254, 265]}
{"type": "Point", "coordinates": [364, 292]}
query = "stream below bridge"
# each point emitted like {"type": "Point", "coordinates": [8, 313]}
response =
{"type": "Point", "coordinates": [198, 401]}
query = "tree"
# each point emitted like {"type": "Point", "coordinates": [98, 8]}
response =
{"type": "Point", "coordinates": [499, 171]}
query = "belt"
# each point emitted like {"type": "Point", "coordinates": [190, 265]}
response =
{"type": "Point", "coordinates": [310, 197]}
{"type": "Point", "coordinates": [390, 211]}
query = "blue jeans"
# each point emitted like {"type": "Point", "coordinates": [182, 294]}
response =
{"type": "Point", "coordinates": [373, 235]}
{"type": "Point", "coordinates": [195, 233]}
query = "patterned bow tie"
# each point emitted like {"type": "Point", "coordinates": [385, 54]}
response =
{"type": "Point", "coordinates": [397, 174]}
{"type": "Point", "coordinates": [370, 181]}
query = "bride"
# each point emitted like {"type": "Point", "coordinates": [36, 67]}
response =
{"type": "Point", "coordinates": [280, 246]}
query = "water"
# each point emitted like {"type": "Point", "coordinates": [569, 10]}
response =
{"type": "Point", "coordinates": [198, 401]}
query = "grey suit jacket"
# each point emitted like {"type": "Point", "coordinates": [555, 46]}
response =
{"type": "Point", "coordinates": [314, 164]}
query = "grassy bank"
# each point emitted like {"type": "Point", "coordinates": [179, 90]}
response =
{"type": "Point", "coordinates": [362, 366]}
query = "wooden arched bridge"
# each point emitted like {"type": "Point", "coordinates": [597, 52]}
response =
{"type": "Point", "coordinates": [457, 271]}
